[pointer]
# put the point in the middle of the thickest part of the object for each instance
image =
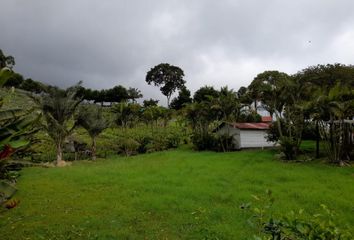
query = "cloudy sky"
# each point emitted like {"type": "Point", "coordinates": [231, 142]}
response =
{"type": "Point", "coordinates": [216, 42]}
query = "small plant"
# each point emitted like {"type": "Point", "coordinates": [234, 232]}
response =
{"type": "Point", "coordinates": [129, 147]}
{"type": "Point", "coordinates": [295, 225]}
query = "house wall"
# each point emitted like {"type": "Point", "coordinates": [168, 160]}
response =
{"type": "Point", "coordinates": [254, 139]}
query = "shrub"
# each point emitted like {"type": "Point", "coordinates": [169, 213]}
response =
{"type": "Point", "coordinates": [224, 143]}
{"type": "Point", "coordinates": [143, 144]}
{"type": "Point", "coordinates": [204, 141]}
{"type": "Point", "coordinates": [128, 146]}
{"type": "Point", "coordinates": [288, 147]}
{"type": "Point", "coordinates": [173, 140]}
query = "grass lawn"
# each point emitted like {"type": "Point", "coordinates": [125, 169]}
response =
{"type": "Point", "coordinates": [178, 194]}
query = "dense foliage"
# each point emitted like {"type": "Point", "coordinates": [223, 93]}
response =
{"type": "Point", "coordinates": [168, 77]}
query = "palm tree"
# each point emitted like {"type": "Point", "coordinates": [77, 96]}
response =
{"type": "Point", "coordinates": [58, 107]}
{"type": "Point", "coordinates": [331, 110]}
{"type": "Point", "coordinates": [332, 106]}
{"type": "Point", "coordinates": [227, 104]}
{"type": "Point", "coordinates": [91, 119]}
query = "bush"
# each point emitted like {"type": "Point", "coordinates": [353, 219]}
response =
{"type": "Point", "coordinates": [224, 143]}
{"type": "Point", "coordinates": [288, 146]}
{"type": "Point", "coordinates": [212, 142]}
{"type": "Point", "coordinates": [173, 140]}
{"type": "Point", "coordinates": [143, 144]}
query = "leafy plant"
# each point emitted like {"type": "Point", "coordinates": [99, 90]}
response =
{"type": "Point", "coordinates": [15, 125]}
{"type": "Point", "coordinates": [91, 119]}
{"type": "Point", "coordinates": [295, 225]}
{"type": "Point", "coordinates": [128, 146]}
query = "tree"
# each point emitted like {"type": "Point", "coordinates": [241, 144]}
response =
{"type": "Point", "coordinates": [32, 86]}
{"type": "Point", "coordinates": [116, 94]}
{"type": "Point", "coordinates": [227, 105]}
{"type": "Point", "coordinates": [168, 77]}
{"type": "Point", "coordinates": [126, 113]}
{"type": "Point", "coordinates": [6, 61]}
{"type": "Point", "coordinates": [283, 96]}
{"type": "Point", "coordinates": [58, 107]}
{"type": "Point", "coordinates": [134, 93]}
{"type": "Point", "coordinates": [184, 97]}
{"type": "Point", "coordinates": [331, 105]}
{"type": "Point", "coordinates": [91, 119]}
{"type": "Point", "coordinates": [205, 94]}
{"type": "Point", "coordinates": [267, 88]}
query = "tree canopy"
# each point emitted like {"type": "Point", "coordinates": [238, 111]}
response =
{"type": "Point", "coordinates": [168, 77]}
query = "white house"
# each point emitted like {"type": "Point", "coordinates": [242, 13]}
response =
{"type": "Point", "coordinates": [246, 135]}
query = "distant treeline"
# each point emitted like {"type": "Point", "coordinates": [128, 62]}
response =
{"type": "Point", "coordinates": [112, 95]}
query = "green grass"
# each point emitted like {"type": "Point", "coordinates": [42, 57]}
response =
{"type": "Point", "coordinates": [177, 194]}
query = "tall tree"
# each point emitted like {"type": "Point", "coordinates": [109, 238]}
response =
{"type": "Point", "coordinates": [58, 107]}
{"type": "Point", "coordinates": [227, 104]}
{"type": "Point", "coordinates": [267, 88]}
{"type": "Point", "coordinates": [168, 77]}
{"type": "Point", "coordinates": [283, 96]}
{"type": "Point", "coordinates": [90, 117]}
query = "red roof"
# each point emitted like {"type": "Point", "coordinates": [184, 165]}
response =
{"type": "Point", "coordinates": [267, 119]}
{"type": "Point", "coordinates": [257, 126]}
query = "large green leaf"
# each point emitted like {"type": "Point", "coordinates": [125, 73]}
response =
{"type": "Point", "coordinates": [19, 143]}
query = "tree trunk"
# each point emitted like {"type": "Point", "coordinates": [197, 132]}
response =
{"type": "Point", "coordinates": [93, 149]}
{"type": "Point", "coordinates": [168, 101]}
{"type": "Point", "coordinates": [317, 140]}
{"type": "Point", "coordinates": [255, 106]}
{"type": "Point", "coordinates": [60, 161]}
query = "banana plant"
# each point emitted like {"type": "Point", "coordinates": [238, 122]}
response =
{"type": "Point", "coordinates": [15, 125]}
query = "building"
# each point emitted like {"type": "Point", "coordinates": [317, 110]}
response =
{"type": "Point", "coordinates": [246, 135]}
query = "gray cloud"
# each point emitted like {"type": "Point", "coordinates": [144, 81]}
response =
{"type": "Point", "coordinates": [227, 42]}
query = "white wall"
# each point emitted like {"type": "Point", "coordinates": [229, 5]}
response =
{"type": "Point", "coordinates": [254, 138]}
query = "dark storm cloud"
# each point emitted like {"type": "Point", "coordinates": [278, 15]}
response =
{"type": "Point", "coordinates": [106, 43]}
